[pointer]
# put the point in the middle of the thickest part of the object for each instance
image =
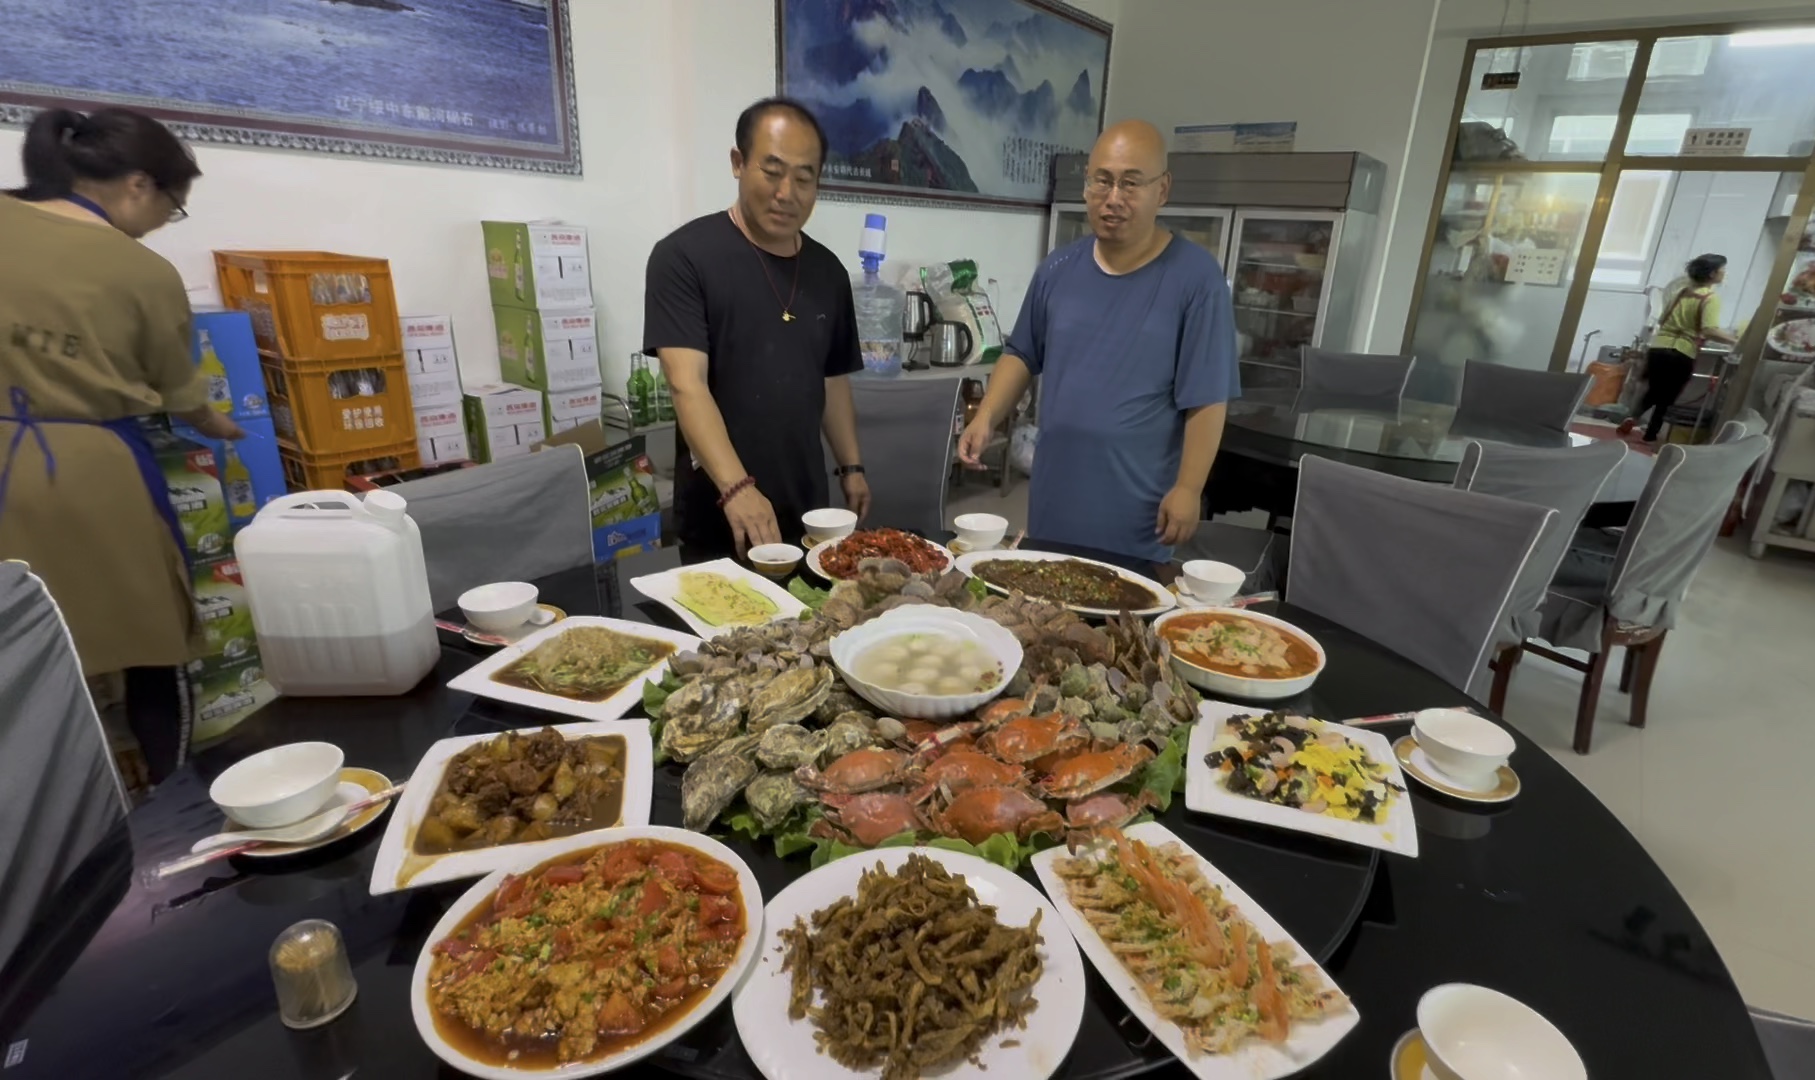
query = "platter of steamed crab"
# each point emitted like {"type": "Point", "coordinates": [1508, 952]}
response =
{"type": "Point", "coordinates": [776, 739]}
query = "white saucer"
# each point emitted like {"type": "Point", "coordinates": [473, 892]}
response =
{"type": "Point", "coordinates": [355, 784]}
{"type": "Point", "coordinates": [544, 615]}
{"type": "Point", "coordinates": [1417, 765]}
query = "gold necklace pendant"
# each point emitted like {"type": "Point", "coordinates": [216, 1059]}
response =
{"type": "Point", "coordinates": [787, 316]}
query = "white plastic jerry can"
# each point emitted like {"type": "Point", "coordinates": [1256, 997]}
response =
{"type": "Point", "coordinates": [339, 594]}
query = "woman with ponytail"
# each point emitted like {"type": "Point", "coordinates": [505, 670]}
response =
{"type": "Point", "coordinates": [94, 334]}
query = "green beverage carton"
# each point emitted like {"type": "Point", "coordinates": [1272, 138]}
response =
{"type": "Point", "coordinates": [537, 264]}
{"type": "Point", "coordinates": [192, 479]}
{"type": "Point", "coordinates": [224, 692]}
{"type": "Point", "coordinates": [498, 418]}
{"type": "Point", "coordinates": [220, 598]}
{"type": "Point", "coordinates": [548, 350]}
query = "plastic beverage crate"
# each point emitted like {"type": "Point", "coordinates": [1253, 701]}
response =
{"type": "Point", "coordinates": [330, 406]}
{"type": "Point", "coordinates": [304, 471]}
{"type": "Point", "coordinates": [313, 305]}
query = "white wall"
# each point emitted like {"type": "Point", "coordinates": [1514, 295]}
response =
{"type": "Point", "coordinates": [659, 87]}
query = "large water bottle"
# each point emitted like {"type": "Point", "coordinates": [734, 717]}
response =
{"type": "Point", "coordinates": [879, 305]}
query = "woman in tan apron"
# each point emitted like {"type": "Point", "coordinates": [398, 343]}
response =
{"type": "Point", "coordinates": [94, 333]}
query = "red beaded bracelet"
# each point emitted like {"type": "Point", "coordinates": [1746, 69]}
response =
{"type": "Point", "coordinates": [732, 491]}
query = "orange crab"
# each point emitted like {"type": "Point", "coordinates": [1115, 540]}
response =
{"type": "Point", "coordinates": [979, 813]}
{"type": "Point", "coordinates": [1029, 737]}
{"type": "Point", "coordinates": [856, 772]}
{"type": "Point", "coordinates": [871, 818]}
{"type": "Point", "coordinates": [1081, 775]}
{"type": "Point", "coordinates": [1108, 809]}
{"type": "Point", "coordinates": [961, 769]}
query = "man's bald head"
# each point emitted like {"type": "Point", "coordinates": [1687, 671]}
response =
{"type": "Point", "coordinates": [1126, 183]}
{"type": "Point", "coordinates": [1136, 143]}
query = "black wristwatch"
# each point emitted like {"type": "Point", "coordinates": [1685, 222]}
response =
{"type": "Point", "coordinates": [847, 470]}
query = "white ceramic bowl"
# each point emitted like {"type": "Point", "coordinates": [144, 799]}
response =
{"type": "Point", "coordinates": [980, 532]}
{"type": "Point", "coordinates": [1237, 685]}
{"type": "Point", "coordinates": [775, 560]}
{"type": "Point", "coordinates": [1473, 1033]}
{"type": "Point", "coordinates": [829, 524]}
{"type": "Point", "coordinates": [279, 786]}
{"type": "Point", "coordinates": [500, 606]}
{"type": "Point", "coordinates": [1467, 747]}
{"type": "Point", "coordinates": [1212, 582]}
{"type": "Point", "coordinates": [926, 619]}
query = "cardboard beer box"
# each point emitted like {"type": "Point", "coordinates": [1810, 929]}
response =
{"type": "Point", "coordinates": [225, 691]}
{"type": "Point", "coordinates": [549, 350]}
{"type": "Point", "coordinates": [223, 346]}
{"type": "Point", "coordinates": [250, 472]}
{"type": "Point", "coordinates": [493, 413]}
{"type": "Point", "coordinates": [428, 359]}
{"type": "Point", "coordinates": [220, 601]}
{"type": "Point", "coordinates": [626, 512]}
{"type": "Point", "coordinates": [192, 479]}
{"type": "Point", "coordinates": [441, 435]}
{"type": "Point", "coordinates": [537, 264]}
{"type": "Point", "coordinates": [563, 409]}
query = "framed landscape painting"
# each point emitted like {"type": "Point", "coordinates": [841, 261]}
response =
{"type": "Point", "coordinates": [462, 82]}
{"type": "Point", "coordinates": [945, 100]}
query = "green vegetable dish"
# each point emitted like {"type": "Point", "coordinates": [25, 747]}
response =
{"type": "Point", "coordinates": [587, 663]}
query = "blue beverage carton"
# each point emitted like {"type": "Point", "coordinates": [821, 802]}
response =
{"type": "Point", "coordinates": [223, 345]}
{"type": "Point", "coordinates": [249, 470]}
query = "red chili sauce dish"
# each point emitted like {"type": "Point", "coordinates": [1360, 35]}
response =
{"type": "Point", "coordinates": [587, 955]}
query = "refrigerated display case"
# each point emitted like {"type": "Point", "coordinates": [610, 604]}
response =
{"type": "Point", "coordinates": [1293, 232]}
{"type": "Point", "coordinates": [1208, 227]}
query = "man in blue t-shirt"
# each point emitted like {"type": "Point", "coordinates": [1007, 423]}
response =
{"type": "Point", "coordinates": [1132, 331]}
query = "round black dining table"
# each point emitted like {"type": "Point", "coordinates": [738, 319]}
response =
{"type": "Point", "coordinates": [1547, 898]}
{"type": "Point", "coordinates": [1267, 431]}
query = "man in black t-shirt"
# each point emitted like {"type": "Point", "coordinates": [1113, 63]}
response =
{"type": "Point", "coordinates": [753, 323]}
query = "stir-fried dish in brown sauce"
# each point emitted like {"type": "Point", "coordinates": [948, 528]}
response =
{"type": "Point", "coordinates": [1068, 581]}
{"type": "Point", "coordinates": [588, 955]}
{"type": "Point", "coordinates": [522, 786]}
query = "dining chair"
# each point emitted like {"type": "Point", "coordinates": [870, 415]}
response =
{"type": "Point", "coordinates": [514, 520]}
{"type": "Point", "coordinates": [60, 791]}
{"type": "Point", "coordinates": [1425, 571]}
{"type": "Point", "coordinates": [1360, 375]}
{"type": "Point", "coordinates": [1565, 479]}
{"type": "Point", "coordinates": [1254, 550]}
{"type": "Point", "coordinates": [1789, 1043]}
{"type": "Point", "coordinates": [1496, 394]}
{"type": "Point", "coordinates": [905, 427]}
{"type": "Point", "coordinates": [1626, 591]}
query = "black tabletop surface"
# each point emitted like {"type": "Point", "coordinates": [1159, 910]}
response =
{"type": "Point", "coordinates": [1419, 439]}
{"type": "Point", "coordinates": [1547, 898]}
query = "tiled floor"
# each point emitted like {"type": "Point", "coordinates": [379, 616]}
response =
{"type": "Point", "coordinates": [1717, 785]}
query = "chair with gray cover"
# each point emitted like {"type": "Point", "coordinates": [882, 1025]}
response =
{"type": "Point", "coordinates": [905, 429]}
{"type": "Point", "coordinates": [1423, 570]}
{"type": "Point", "coordinates": [514, 520]}
{"type": "Point", "coordinates": [1627, 590]}
{"type": "Point", "coordinates": [1498, 396]}
{"type": "Point", "coordinates": [1358, 375]}
{"type": "Point", "coordinates": [1789, 1043]}
{"type": "Point", "coordinates": [60, 792]}
{"type": "Point", "coordinates": [1566, 479]}
{"type": "Point", "coordinates": [1253, 550]}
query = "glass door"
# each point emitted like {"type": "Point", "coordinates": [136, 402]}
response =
{"type": "Point", "coordinates": [1207, 228]}
{"type": "Point", "coordinates": [1279, 275]}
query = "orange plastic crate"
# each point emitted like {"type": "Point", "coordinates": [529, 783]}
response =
{"type": "Point", "coordinates": [304, 471]}
{"type": "Point", "coordinates": [313, 305]}
{"type": "Point", "coordinates": [331, 406]}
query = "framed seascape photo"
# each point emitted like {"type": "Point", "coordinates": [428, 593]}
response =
{"type": "Point", "coordinates": [945, 100]}
{"type": "Point", "coordinates": [484, 83]}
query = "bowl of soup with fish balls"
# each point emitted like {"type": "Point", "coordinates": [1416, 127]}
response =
{"type": "Point", "coordinates": [1240, 653]}
{"type": "Point", "coordinates": [922, 662]}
